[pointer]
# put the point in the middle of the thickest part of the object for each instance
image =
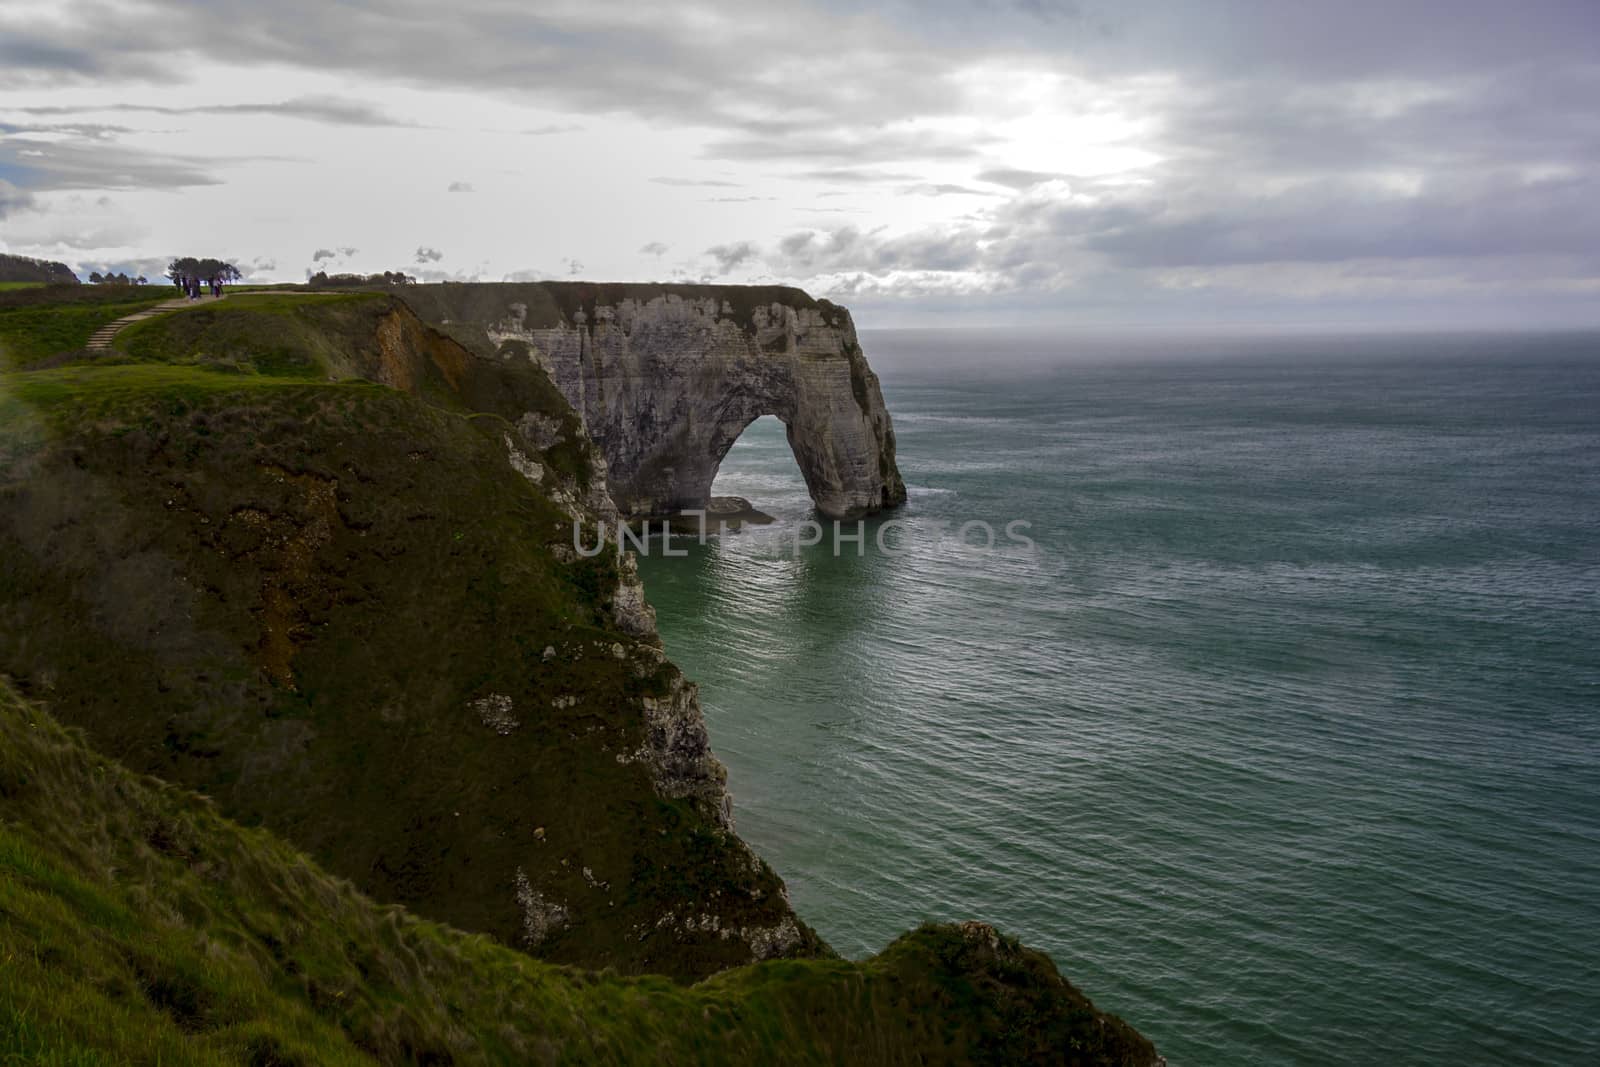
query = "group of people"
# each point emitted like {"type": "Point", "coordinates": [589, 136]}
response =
{"type": "Point", "coordinates": [194, 288]}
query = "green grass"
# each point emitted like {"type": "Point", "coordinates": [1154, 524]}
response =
{"type": "Point", "coordinates": [373, 336]}
{"type": "Point", "coordinates": [40, 322]}
{"type": "Point", "coordinates": [139, 926]}
{"type": "Point", "coordinates": [283, 335]}
{"type": "Point", "coordinates": [6, 287]}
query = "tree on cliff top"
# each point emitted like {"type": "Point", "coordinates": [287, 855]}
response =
{"type": "Point", "coordinates": [389, 277]}
{"type": "Point", "coordinates": [28, 269]}
{"type": "Point", "coordinates": [205, 271]}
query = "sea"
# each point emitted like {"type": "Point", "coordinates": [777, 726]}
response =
{"type": "Point", "coordinates": [1255, 679]}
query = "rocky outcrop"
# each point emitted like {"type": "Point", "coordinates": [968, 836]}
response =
{"type": "Point", "coordinates": [666, 378]}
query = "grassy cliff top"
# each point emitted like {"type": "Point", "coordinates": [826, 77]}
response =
{"type": "Point", "coordinates": [554, 303]}
{"type": "Point", "coordinates": [38, 322]}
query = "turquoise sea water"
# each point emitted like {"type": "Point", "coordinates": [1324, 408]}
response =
{"type": "Point", "coordinates": [1284, 737]}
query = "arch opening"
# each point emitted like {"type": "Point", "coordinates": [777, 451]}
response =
{"type": "Point", "coordinates": [759, 474]}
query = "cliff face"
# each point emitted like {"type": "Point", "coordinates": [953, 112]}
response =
{"type": "Point", "coordinates": [666, 378]}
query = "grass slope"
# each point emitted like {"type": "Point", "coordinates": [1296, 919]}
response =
{"type": "Point", "coordinates": [137, 925]}
{"type": "Point", "coordinates": [38, 323]}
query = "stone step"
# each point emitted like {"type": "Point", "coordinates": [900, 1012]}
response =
{"type": "Point", "coordinates": [103, 336]}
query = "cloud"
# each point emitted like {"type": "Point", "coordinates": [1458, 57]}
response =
{"type": "Point", "coordinates": [730, 256]}
{"type": "Point", "coordinates": [88, 163]}
{"type": "Point", "coordinates": [152, 268]}
{"type": "Point", "coordinates": [93, 131]}
{"type": "Point", "coordinates": [945, 189]}
{"type": "Point", "coordinates": [551, 129]}
{"type": "Point", "coordinates": [1334, 221]}
{"type": "Point", "coordinates": [695, 182]}
{"type": "Point", "coordinates": [334, 110]}
{"type": "Point", "coordinates": [460, 187]}
{"type": "Point", "coordinates": [655, 248]}
{"type": "Point", "coordinates": [849, 146]}
{"type": "Point", "coordinates": [325, 254]}
{"type": "Point", "coordinates": [448, 276]}
{"type": "Point", "coordinates": [1284, 147]}
{"type": "Point", "coordinates": [13, 199]}
{"type": "Point", "coordinates": [428, 255]}
{"type": "Point", "coordinates": [809, 252]}
{"type": "Point", "coordinates": [852, 176]}
{"type": "Point", "coordinates": [337, 111]}
{"type": "Point", "coordinates": [1015, 178]}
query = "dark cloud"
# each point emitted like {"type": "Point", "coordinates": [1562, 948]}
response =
{"type": "Point", "coordinates": [945, 189]}
{"type": "Point", "coordinates": [853, 176]}
{"type": "Point", "coordinates": [731, 256]}
{"type": "Point", "coordinates": [335, 110]}
{"type": "Point", "coordinates": [460, 187]}
{"type": "Point", "coordinates": [323, 253]}
{"type": "Point", "coordinates": [659, 63]}
{"type": "Point", "coordinates": [1338, 221]}
{"type": "Point", "coordinates": [13, 199]}
{"type": "Point", "coordinates": [655, 248]}
{"type": "Point", "coordinates": [93, 131]}
{"type": "Point", "coordinates": [848, 249]}
{"type": "Point", "coordinates": [428, 255]}
{"type": "Point", "coordinates": [152, 268]}
{"type": "Point", "coordinates": [338, 111]}
{"type": "Point", "coordinates": [30, 59]}
{"type": "Point", "coordinates": [1014, 178]}
{"type": "Point", "coordinates": [695, 182]}
{"type": "Point", "coordinates": [42, 164]}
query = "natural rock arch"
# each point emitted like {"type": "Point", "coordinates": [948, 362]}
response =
{"type": "Point", "coordinates": [666, 378]}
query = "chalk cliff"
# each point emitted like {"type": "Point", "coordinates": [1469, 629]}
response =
{"type": "Point", "coordinates": [666, 378]}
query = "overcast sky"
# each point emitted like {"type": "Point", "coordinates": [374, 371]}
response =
{"type": "Point", "coordinates": [1031, 161]}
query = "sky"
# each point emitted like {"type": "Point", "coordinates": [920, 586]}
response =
{"type": "Point", "coordinates": [1149, 162]}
